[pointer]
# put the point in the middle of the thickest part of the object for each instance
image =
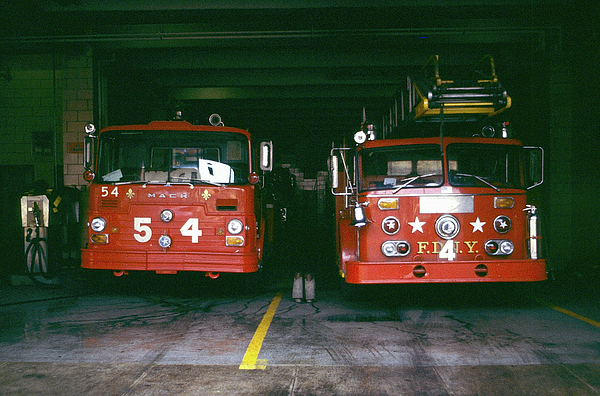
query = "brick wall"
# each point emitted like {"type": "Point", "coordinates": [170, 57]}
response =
{"type": "Point", "coordinates": [29, 113]}
{"type": "Point", "coordinates": [77, 110]}
{"type": "Point", "coordinates": [45, 99]}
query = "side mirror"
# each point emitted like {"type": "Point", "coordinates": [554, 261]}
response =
{"type": "Point", "coordinates": [266, 156]}
{"type": "Point", "coordinates": [88, 152]}
{"type": "Point", "coordinates": [334, 171]}
{"type": "Point", "coordinates": [536, 166]}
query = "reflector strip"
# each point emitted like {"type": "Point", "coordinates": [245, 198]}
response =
{"type": "Point", "coordinates": [250, 361]}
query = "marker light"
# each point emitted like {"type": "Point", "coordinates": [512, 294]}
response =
{"type": "Point", "coordinates": [234, 241]}
{"type": "Point", "coordinates": [90, 129]}
{"type": "Point", "coordinates": [235, 226]}
{"type": "Point", "coordinates": [98, 224]}
{"type": "Point", "coordinates": [360, 137]}
{"type": "Point", "coordinates": [88, 175]}
{"type": "Point", "coordinates": [504, 202]}
{"type": "Point", "coordinates": [99, 238]}
{"type": "Point", "coordinates": [387, 203]}
{"type": "Point", "coordinates": [253, 178]}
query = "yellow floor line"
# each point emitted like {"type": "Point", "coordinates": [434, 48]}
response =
{"type": "Point", "coordinates": [571, 314]}
{"type": "Point", "coordinates": [251, 361]}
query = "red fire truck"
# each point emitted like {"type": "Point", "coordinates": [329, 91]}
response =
{"type": "Point", "coordinates": [447, 201]}
{"type": "Point", "coordinates": [171, 196]}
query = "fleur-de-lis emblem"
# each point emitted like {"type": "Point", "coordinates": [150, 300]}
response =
{"type": "Point", "coordinates": [206, 195]}
{"type": "Point", "coordinates": [130, 193]}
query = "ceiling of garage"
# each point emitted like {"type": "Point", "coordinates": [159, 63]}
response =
{"type": "Point", "coordinates": [298, 72]}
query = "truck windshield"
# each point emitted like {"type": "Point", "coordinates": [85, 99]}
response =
{"type": "Point", "coordinates": [407, 166]}
{"type": "Point", "coordinates": [495, 166]}
{"type": "Point", "coordinates": [173, 156]}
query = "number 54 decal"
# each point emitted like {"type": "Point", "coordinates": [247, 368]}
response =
{"type": "Point", "coordinates": [144, 232]}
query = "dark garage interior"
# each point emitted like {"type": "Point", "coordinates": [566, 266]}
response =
{"type": "Point", "coordinates": [302, 74]}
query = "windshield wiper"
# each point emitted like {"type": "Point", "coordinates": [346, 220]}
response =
{"type": "Point", "coordinates": [410, 180]}
{"type": "Point", "coordinates": [207, 182]}
{"type": "Point", "coordinates": [130, 182]}
{"type": "Point", "coordinates": [481, 179]}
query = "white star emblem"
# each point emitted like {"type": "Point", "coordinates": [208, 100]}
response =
{"type": "Point", "coordinates": [478, 225]}
{"type": "Point", "coordinates": [417, 225]}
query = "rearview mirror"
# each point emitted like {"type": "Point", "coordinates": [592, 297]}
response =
{"type": "Point", "coordinates": [88, 152]}
{"type": "Point", "coordinates": [536, 166]}
{"type": "Point", "coordinates": [266, 156]}
{"type": "Point", "coordinates": [334, 169]}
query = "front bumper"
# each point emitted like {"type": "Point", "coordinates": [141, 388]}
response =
{"type": "Point", "coordinates": [172, 261]}
{"type": "Point", "coordinates": [525, 270]}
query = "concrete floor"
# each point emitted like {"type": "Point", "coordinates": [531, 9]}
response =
{"type": "Point", "coordinates": [187, 335]}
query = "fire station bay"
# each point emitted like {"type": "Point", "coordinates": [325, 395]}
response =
{"type": "Point", "coordinates": [299, 198]}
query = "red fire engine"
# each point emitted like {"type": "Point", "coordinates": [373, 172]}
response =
{"type": "Point", "coordinates": [171, 196]}
{"type": "Point", "coordinates": [447, 201]}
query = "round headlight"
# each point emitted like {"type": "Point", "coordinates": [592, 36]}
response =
{"type": "Point", "coordinates": [447, 226]}
{"type": "Point", "coordinates": [235, 226]}
{"type": "Point", "coordinates": [502, 224]}
{"type": "Point", "coordinates": [98, 224]}
{"type": "Point", "coordinates": [166, 215]}
{"type": "Point", "coordinates": [506, 247]}
{"type": "Point", "coordinates": [388, 248]}
{"type": "Point", "coordinates": [164, 241]}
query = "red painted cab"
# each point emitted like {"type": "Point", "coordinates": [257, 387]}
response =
{"type": "Point", "coordinates": [171, 196]}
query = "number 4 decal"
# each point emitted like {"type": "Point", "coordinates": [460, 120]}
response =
{"type": "Point", "coordinates": [447, 251]}
{"type": "Point", "coordinates": [190, 228]}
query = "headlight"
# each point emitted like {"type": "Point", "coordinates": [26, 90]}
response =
{"type": "Point", "coordinates": [235, 226]}
{"type": "Point", "coordinates": [499, 247]}
{"type": "Point", "coordinates": [502, 224]}
{"type": "Point", "coordinates": [506, 247]}
{"type": "Point", "coordinates": [98, 224]}
{"type": "Point", "coordinates": [447, 226]}
{"type": "Point", "coordinates": [395, 248]}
